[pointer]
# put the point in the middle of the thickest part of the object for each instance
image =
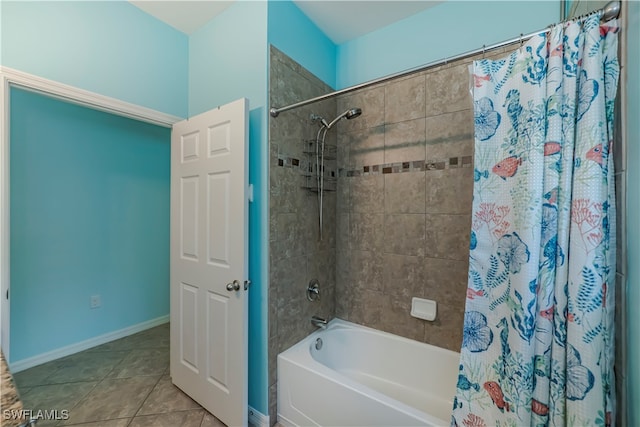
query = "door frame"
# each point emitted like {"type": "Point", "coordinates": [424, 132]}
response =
{"type": "Point", "coordinates": [14, 78]}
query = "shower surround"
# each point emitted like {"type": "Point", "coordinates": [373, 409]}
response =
{"type": "Point", "coordinates": [398, 225]}
{"type": "Point", "coordinates": [405, 190]}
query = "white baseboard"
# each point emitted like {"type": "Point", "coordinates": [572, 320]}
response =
{"type": "Point", "coordinates": [39, 359]}
{"type": "Point", "coordinates": [258, 419]}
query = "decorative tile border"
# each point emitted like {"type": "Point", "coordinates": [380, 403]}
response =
{"type": "Point", "coordinates": [306, 168]}
{"type": "Point", "coordinates": [412, 166]}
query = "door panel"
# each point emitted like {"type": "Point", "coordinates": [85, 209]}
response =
{"type": "Point", "coordinates": [189, 218]}
{"type": "Point", "coordinates": [209, 260]}
{"type": "Point", "coordinates": [217, 313]}
{"type": "Point", "coordinates": [189, 327]}
{"type": "Point", "coordinates": [218, 219]}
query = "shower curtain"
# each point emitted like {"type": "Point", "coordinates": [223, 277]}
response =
{"type": "Point", "coordinates": [538, 342]}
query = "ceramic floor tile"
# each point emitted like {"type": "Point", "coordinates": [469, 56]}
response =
{"type": "Point", "coordinates": [113, 398]}
{"type": "Point", "coordinates": [157, 337]}
{"type": "Point", "coordinates": [166, 397]}
{"type": "Point", "coordinates": [143, 362]}
{"type": "Point", "coordinates": [122, 344]}
{"type": "Point", "coordinates": [22, 390]}
{"type": "Point", "coordinates": [86, 366]}
{"type": "Point", "coordinates": [38, 375]}
{"type": "Point", "coordinates": [56, 397]}
{"type": "Point", "coordinates": [173, 419]}
{"type": "Point", "coordinates": [120, 422]}
{"type": "Point", "coordinates": [132, 365]}
{"type": "Point", "coordinates": [211, 421]}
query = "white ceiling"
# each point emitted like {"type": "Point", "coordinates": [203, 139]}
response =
{"type": "Point", "coordinates": [345, 20]}
{"type": "Point", "coordinates": [186, 15]}
{"type": "Point", "coordinates": [340, 20]}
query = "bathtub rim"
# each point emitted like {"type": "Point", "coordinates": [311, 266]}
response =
{"type": "Point", "coordinates": [300, 355]}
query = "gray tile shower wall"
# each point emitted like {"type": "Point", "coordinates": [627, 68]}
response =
{"type": "Point", "coordinates": [405, 187]}
{"type": "Point", "coordinates": [296, 254]}
{"type": "Point", "coordinates": [404, 204]}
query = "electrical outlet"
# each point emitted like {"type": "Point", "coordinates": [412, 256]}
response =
{"type": "Point", "coordinates": [95, 301]}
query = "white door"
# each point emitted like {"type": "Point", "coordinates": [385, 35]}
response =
{"type": "Point", "coordinates": [209, 260]}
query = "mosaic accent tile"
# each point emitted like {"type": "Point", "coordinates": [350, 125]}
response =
{"type": "Point", "coordinates": [408, 166]}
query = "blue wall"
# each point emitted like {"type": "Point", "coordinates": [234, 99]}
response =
{"type": "Point", "coordinates": [448, 29]}
{"type": "Point", "coordinates": [633, 210]}
{"type": "Point", "coordinates": [227, 61]}
{"type": "Point", "coordinates": [293, 33]}
{"type": "Point", "coordinates": [111, 48]}
{"type": "Point", "coordinates": [89, 216]}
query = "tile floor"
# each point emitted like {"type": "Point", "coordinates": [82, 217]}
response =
{"type": "Point", "coordinates": [124, 383]}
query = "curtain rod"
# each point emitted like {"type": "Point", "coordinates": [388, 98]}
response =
{"type": "Point", "coordinates": [610, 11]}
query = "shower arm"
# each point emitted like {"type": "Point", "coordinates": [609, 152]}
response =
{"type": "Point", "coordinates": [609, 12]}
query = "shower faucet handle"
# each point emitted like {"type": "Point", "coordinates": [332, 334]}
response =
{"type": "Point", "coordinates": [313, 290]}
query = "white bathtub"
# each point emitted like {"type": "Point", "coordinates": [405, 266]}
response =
{"type": "Point", "coordinates": [365, 377]}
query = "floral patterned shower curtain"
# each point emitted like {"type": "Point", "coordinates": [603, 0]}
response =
{"type": "Point", "coordinates": [538, 343]}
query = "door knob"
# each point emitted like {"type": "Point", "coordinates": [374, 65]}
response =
{"type": "Point", "coordinates": [233, 286]}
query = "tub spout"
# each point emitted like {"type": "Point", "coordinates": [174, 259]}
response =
{"type": "Point", "coordinates": [319, 322]}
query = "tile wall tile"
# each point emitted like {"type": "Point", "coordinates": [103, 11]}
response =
{"type": "Point", "coordinates": [405, 99]}
{"type": "Point", "coordinates": [366, 147]}
{"type": "Point", "coordinates": [449, 135]}
{"type": "Point", "coordinates": [621, 223]}
{"type": "Point", "coordinates": [621, 349]}
{"type": "Point", "coordinates": [404, 234]}
{"type": "Point", "coordinates": [449, 191]}
{"type": "Point", "coordinates": [343, 195]}
{"type": "Point", "coordinates": [366, 269]}
{"type": "Point", "coordinates": [398, 320]}
{"type": "Point", "coordinates": [273, 394]}
{"type": "Point", "coordinates": [372, 103]}
{"type": "Point", "coordinates": [365, 194]}
{"type": "Point", "coordinates": [366, 231]}
{"type": "Point", "coordinates": [404, 276]}
{"type": "Point", "coordinates": [447, 236]}
{"type": "Point", "coordinates": [446, 281]}
{"type": "Point", "coordinates": [404, 193]}
{"type": "Point", "coordinates": [619, 148]}
{"type": "Point", "coordinates": [446, 330]}
{"type": "Point", "coordinates": [290, 277]}
{"type": "Point", "coordinates": [405, 140]}
{"type": "Point", "coordinates": [448, 90]}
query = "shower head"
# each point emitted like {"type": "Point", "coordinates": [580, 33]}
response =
{"type": "Point", "coordinates": [351, 113]}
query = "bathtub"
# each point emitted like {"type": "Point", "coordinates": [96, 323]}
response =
{"type": "Point", "coordinates": [364, 377]}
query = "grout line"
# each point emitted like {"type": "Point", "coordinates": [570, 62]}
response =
{"type": "Point", "coordinates": [147, 397]}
